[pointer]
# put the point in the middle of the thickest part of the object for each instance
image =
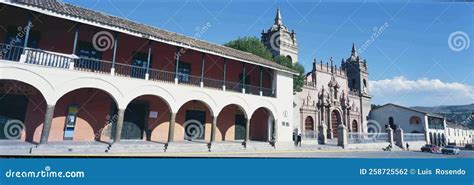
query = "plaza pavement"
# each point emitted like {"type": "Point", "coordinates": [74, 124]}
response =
{"type": "Point", "coordinates": [273, 154]}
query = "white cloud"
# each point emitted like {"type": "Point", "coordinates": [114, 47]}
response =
{"type": "Point", "coordinates": [420, 92]}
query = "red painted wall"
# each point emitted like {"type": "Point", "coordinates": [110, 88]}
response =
{"type": "Point", "coordinates": [234, 69]}
{"type": "Point", "coordinates": [163, 57]}
{"type": "Point", "coordinates": [59, 34]}
{"type": "Point", "coordinates": [254, 73]}
{"type": "Point", "coordinates": [226, 124]}
{"type": "Point", "coordinates": [267, 78]}
{"type": "Point", "coordinates": [181, 115]}
{"type": "Point", "coordinates": [126, 47]}
{"type": "Point", "coordinates": [194, 58]}
{"type": "Point", "coordinates": [157, 128]}
{"type": "Point", "coordinates": [259, 125]}
{"type": "Point", "coordinates": [20, 19]}
{"type": "Point", "coordinates": [214, 67]}
{"type": "Point", "coordinates": [94, 109]}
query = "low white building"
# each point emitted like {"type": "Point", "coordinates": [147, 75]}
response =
{"type": "Point", "coordinates": [458, 134]}
{"type": "Point", "coordinates": [410, 121]}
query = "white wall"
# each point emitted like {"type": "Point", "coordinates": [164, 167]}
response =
{"type": "Point", "coordinates": [401, 117]}
{"type": "Point", "coordinates": [284, 106]}
{"type": "Point", "coordinates": [459, 136]}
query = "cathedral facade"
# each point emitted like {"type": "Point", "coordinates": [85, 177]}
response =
{"type": "Point", "coordinates": [331, 95]}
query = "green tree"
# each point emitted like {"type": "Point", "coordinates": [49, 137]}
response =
{"type": "Point", "coordinates": [298, 80]}
{"type": "Point", "coordinates": [254, 46]}
{"type": "Point", "coordinates": [250, 45]}
{"type": "Point", "coordinates": [374, 106]}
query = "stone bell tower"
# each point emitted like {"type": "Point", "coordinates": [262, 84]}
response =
{"type": "Point", "coordinates": [280, 41]}
{"type": "Point", "coordinates": [358, 81]}
{"type": "Point", "coordinates": [357, 72]}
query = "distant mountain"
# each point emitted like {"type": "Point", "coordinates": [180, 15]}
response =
{"type": "Point", "coordinates": [460, 114]}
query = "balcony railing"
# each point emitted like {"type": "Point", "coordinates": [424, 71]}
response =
{"type": "Point", "coordinates": [162, 76]}
{"type": "Point", "coordinates": [213, 83]}
{"type": "Point", "coordinates": [189, 79]}
{"type": "Point", "coordinates": [92, 65]}
{"type": "Point", "coordinates": [72, 62]}
{"type": "Point", "coordinates": [46, 58]}
{"type": "Point", "coordinates": [130, 71]}
{"type": "Point", "coordinates": [10, 52]}
{"type": "Point", "coordinates": [231, 86]}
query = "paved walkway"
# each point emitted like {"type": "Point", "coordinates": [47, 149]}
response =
{"type": "Point", "coordinates": [200, 149]}
{"type": "Point", "coordinates": [275, 154]}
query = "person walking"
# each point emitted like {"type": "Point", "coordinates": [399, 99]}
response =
{"type": "Point", "coordinates": [408, 146]}
{"type": "Point", "coordinates": [295, 137]}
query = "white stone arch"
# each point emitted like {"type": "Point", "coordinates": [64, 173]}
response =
{"type": "Point", "coordinates": [199, 96]}
{"type": "Point", "coordinates": [152, 90]}
{"type": "Point", "coordinates": [338, 109]}
{"type": "Point", "coordinates": [91, 82]}
{"type": "Point", "coordinates": [265, 104]}
{"type": "Point", "coordinates": [235, 100]}
{"type": "Point", "coordinates": [270, 124]}
{"type": "Point", "coordinates": [31, 78]}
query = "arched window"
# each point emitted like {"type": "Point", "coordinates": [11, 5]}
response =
{"type": "Point", "coordinates": [364, 89]}
{"type": "Point", "coordinates": [390, 120]}
{"type": "Point", "coordinates": [309, 123]}
{"type": "Point", "coordinates": [415, 120]}
{"type": "Point", "coordinates": [355, 127]}
{"type": "Point", "coordinates": [289, 58]}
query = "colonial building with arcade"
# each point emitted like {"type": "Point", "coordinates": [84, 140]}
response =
{"type": "Point", "coordinates": [73, 74]}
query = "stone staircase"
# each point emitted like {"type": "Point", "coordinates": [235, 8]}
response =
{"type": "Point", "coordinates": [187, 146]}
{"type": "Point", "coordinates": [136, 147]}
{"type": "Point", "coordinates": [307, 146]}
{"type": "Point", "coordinates": [260, 146]}
{"type": "Point", "coordinates": [227, 146]}
{"type": "Point", "coordinates": [70, 147]}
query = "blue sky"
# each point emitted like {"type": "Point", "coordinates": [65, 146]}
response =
{"type": "Point", "coordinates": [410, 61]}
